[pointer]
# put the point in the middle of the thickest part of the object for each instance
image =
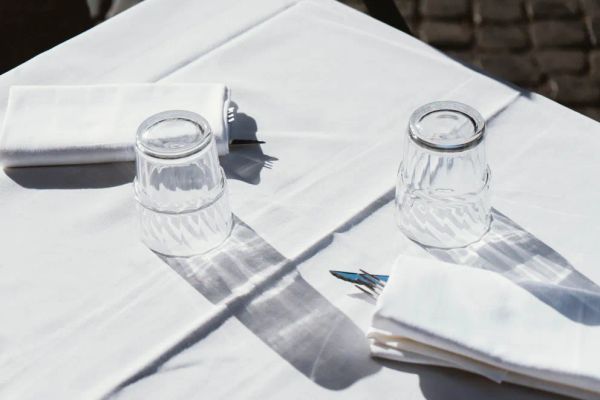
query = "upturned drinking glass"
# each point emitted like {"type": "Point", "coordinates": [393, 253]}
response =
{"type": "Point", "coordinates": [443, 184]}
{"type": "Point", "coordinates": [180, 188]}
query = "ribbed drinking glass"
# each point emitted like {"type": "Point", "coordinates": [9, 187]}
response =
{"type": "Point", "coordinates": [442, 190]}
{"type": "Point", "coordinates": [181, 190]}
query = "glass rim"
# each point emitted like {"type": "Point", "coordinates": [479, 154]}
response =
{"type": "Point", "coordinates": [473, 115]}
{"type": "Point", "coordinates": [200, 122]}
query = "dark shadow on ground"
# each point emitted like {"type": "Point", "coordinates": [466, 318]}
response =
{"type": "Point", "coordinates": [29, 27]}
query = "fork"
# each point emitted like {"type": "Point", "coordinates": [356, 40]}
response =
{"type": "Point", "coordinates": [366, 282]}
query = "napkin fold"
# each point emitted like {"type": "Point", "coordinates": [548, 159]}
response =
{"type": "Point", "coordinates": [476, 320]}
{"type": "Point", "coordinates": [57, 125]}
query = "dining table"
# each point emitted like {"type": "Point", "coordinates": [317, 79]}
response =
{"type": "Point", "coordinates": [88, 312]}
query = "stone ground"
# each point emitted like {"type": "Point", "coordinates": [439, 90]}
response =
{"type": "Point", "coordinates": [548, 46]}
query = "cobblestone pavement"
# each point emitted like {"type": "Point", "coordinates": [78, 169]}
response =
{"type": "Point", "coordinates": [548, 46]}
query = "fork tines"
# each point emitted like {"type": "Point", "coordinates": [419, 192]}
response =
{"type": "Point", "coordinates": [374, 280]}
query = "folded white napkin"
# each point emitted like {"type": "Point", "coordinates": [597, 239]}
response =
{"type": "Point", "coordinates": [476, 320]}
{"type": "Point", "coordinates": [49, 125]}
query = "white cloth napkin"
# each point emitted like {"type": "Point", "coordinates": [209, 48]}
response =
{"type": "Point", "coordinates": [53, 125]}
{"type": "Point", "coordinates": [476, 320]}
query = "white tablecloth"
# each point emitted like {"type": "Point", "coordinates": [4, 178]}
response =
{"type": "Point", "coordinates": [88, 312]}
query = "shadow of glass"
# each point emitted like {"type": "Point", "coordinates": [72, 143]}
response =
{"type": "Point", "coordinates": [254, 283]}
{"type": "Point", "coordinates": [245, 162]}
{"type": "Point", "coordinates": [519, 256]}
{"type": "Point", "coordinates": [88, 176]}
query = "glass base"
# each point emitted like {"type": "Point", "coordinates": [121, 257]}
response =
{"type": "Point", "coordinates": [189, 233]}
{"type": "Point", "coordinates": [448, 243]}
{"type": "Point", "coordinates": [443, 223]}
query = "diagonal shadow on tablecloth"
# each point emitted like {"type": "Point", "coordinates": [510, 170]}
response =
{"type": "Point", "coordinates": [257, 285]}
{"type": "Point", "coordinates": [519, 256]}
{"type": "Point", "coordinates": [254, 283]}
